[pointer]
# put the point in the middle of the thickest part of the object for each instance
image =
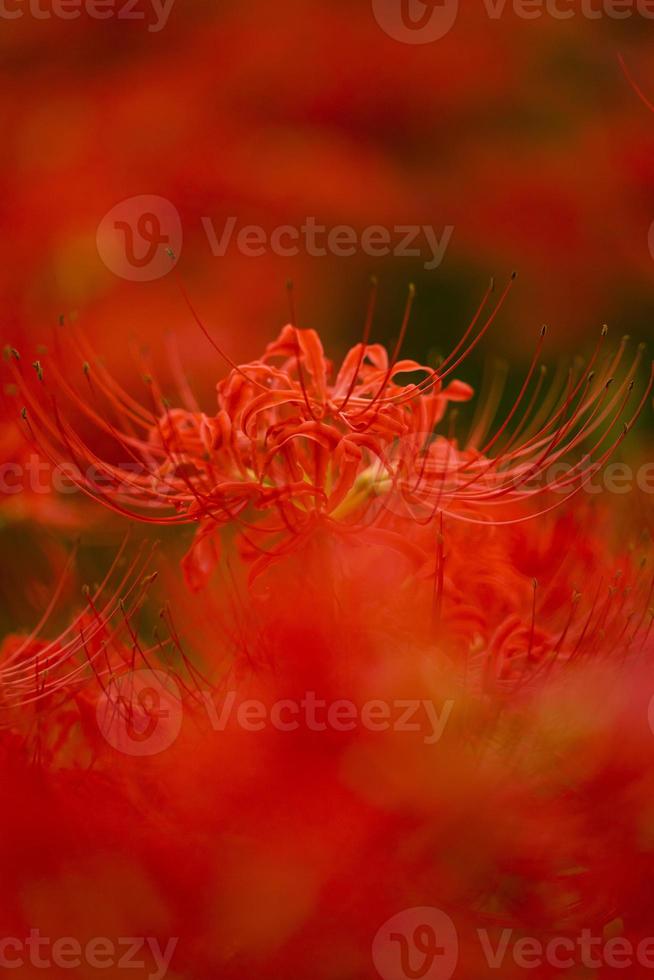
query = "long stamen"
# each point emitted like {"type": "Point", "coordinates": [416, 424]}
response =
{"type": "Point", "coordinates": [298, 351]}
{"type": "Point", "coordinates": [396, 352]}
{"type": "Point", "coordinates": [370, 316]}
{"type": "Point", "coordinates": [228, 360]}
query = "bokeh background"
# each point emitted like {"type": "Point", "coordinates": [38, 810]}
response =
{"type": "Point", "coordinates": [521, 134]}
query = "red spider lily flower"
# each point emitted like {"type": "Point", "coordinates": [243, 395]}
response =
{"type": "Point", "coordinates": [506, 820]}
{"type": "Point", "coordinates": [49, 687]}
{"type": "Point", "coordinates": [530, 641]}
{"type": "Point", "coordinates": [310, 449]}
{"type": "Point", "coordinates": [500, 822]}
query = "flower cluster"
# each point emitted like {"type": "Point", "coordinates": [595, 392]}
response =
{"type": "Point", "coordinates": [397, 562]}
{"type": "Point", "coordinates": [293, 445]}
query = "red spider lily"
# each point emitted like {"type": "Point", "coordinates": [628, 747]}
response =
{"type": "Point", "coordinates": [507, 822]}
{"type": "Point", "coordinates": [50, 686]}
{"type": "Point", "coordinates": [505, 606]}
{"type": "Point", "coordinates": [506, 813]}
{"type": "Point", "coordinates": [312, 449]}
{"type": "Point", "coordinates": [538, 632]}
